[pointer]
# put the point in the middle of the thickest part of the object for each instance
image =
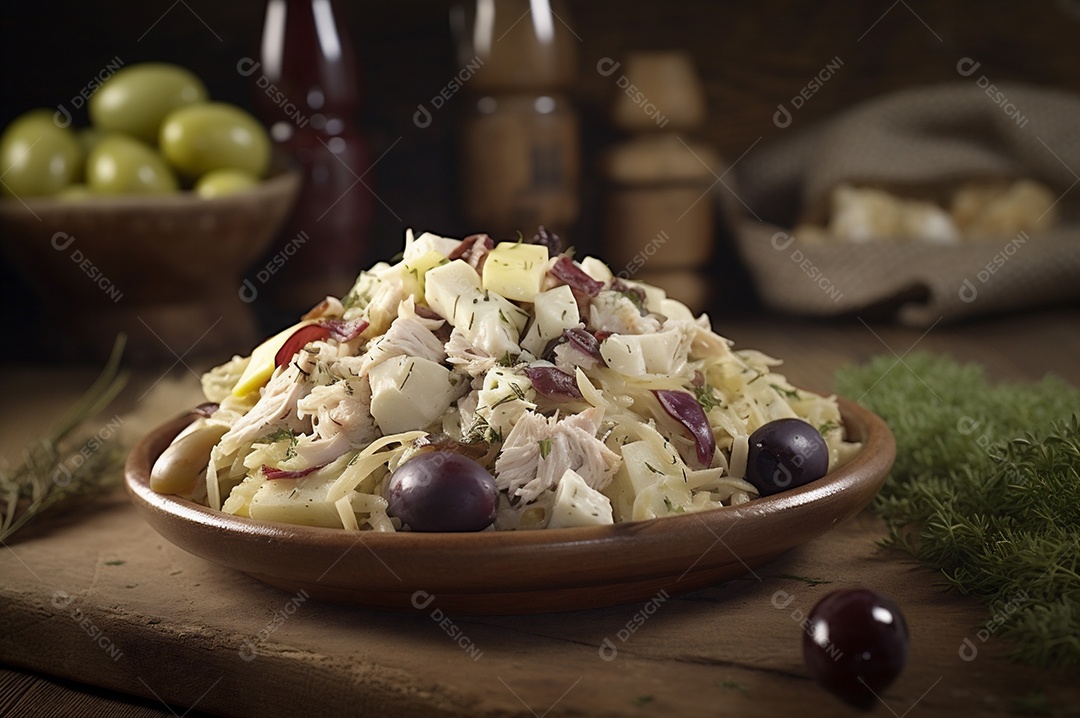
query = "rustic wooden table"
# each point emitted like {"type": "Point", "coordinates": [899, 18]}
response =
{"type": "Point", "coordinates": [96, 600]}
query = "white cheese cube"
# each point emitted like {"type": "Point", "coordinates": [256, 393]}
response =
{"type": "Point", "coordinates": [409, 393]}
{"type": "Point", "coordinates": [495, 325]}
{"type": "Point", "coordinates": [515, 270]}
{"type": "Point", "coordinates": [674, 309]}
{"type": "Point", "coordinates": [450, 288]}
{"type": "Point", "coordinates": [486, 320]}
{"type": "Point", "coordinates": [596, 269]}
{"type": "Point", "coordinates": [415, 269]}
{"type": "Point", "coordinates": [644, 466]}
{"type": "Point", "coordinates": [577, 504]}
{"type": "Point", "coordinates": [295, 502]}
{"type": "Point", "coordinates": [637, 354]}
{"type": "Point", "coordinates": [622, 352]}
{"type": "Point", "coordinates": [555, 310]}
{"type": "Point", "coordinates": [428, 242]}
{"type": "Point", "coordinates": [505, 396]}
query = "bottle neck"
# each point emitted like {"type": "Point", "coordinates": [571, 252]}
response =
{"type": "Point", "coordinates": [308, 55]}
{"type": "Point", "coordinates": [518, 45]}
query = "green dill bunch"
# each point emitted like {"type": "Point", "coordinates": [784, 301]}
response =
{"type": "Point", "coordinates": [985, 489]}
{"type": "Point", "coordinates": [57, 471]}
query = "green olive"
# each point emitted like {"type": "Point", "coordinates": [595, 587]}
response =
{"type": "Point", "coordinates": [37, 157]}
{"type": "Point", "coordinates": [76, 192]}
{"type": "Point", "coordinates": [214, 135]}
{"type": "Point", "coordinates": [122, 165]}
{"type": "Point", "coordinates": [184, 462]}
{"type": "Point", "coordinates": [40, 117]}
{"type": "Point", "coordinates": [137, 98]}
{"type": "Point", "coordinates": [89, 139]}
{"type": "Point", "coordinates": [219, 183]}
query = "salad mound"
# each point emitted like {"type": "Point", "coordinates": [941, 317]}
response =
{"type": "Point", "coordinates": [480, 384]}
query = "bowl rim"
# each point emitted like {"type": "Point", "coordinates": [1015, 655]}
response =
{"type": "Point", "coordinates": [868, 470]}
{"type": "Point", "coordinates": [280, 180]}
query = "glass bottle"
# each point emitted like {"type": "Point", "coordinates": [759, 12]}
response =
{"type": "Point", "coordinates": [520, 145]}
{"type": "Point", "coordinates": [309, 94]}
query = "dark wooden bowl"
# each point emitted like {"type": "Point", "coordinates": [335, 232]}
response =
{"type": "Point", "coordinates": [518, 572]}
{"type": "Point", "coordinates": [173, 263]}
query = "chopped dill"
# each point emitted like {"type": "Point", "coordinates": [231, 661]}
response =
{"type": "Point", "coordinates": [290, 453]}
{"type": "Point", "coordinates": [986, 489]}
{"type": "Point", "coordinates": [59, 471]}
{"type": "Point", "coordinates": [480, 430]}
{"type": "Point", "coordinates": [672, 508]}
{"type": "Point", "coordinates": [408, 375]}
{"type": "Point", "coordinates": [827, 427]}
{"type": "Point", "coordinates": [505, 399]}
{"type": "Point", "coordinates": [706, 396]}
{"type": "Point", "coordinates": [280, 435]}
{"type": "Point", "coordinates": [786, 393]}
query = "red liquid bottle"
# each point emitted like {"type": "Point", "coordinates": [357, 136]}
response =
{"type": "Point", "coordinates": [308, 95]}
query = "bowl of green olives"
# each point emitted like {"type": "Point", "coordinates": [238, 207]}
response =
{"type": "Point", "coordinates": [153, 212]}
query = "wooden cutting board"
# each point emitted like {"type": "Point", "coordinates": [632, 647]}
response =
{"type": "Point", "coordinates": [100, 598]}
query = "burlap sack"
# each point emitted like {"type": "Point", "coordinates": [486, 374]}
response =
{"type": "Point", "coordinates": [924, 139]}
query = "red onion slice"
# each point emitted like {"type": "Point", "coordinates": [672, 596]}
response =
{"type": "Point", "coordinates": [548, 239]}
{"type": "Point", "coordinates": [686, 410]}
{"type": "Point", "coordinates": [584, 341]}
{"type": "Point", "coordinates": [468, 243]}
{"type": "Point", "coordinates": [206, 409]}
{"type": "Point", "coordinates": [473, 250]}
{"type": "Point", "coordinates": [273, 474]}
{"type": "Point", "coordinates": [345, 331]}
{"type": "Point", "coordinates": [553, 383]}
{"type": "Point", "coordinates": [298, 340]}
{"type": "Point", "coordinates": [339, 329]}
{"type": "Point", "coordinates": [425, 312]}
{"type": "Point", "coordinates": [566, 271]}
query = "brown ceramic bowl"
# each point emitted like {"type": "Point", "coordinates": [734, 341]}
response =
{"type": "Point", "coordinates": [518, 572]}
{"type": "Point", "coordinates": [171, 263]}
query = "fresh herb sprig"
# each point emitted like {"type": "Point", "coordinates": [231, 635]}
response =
{"type": "Point", "coordinates": [986, 489]}
{"type": "Point", "coordinates": [50, 473]}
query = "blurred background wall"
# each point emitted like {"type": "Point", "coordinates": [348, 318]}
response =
{"type": "Point", "coordinates": [752, 56]}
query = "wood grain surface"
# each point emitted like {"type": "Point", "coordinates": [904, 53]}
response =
{"type": "Point", "coordinates": [99, 598]}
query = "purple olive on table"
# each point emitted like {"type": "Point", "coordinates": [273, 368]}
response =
{"type": "Point", "coordinates": [855, 644]}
